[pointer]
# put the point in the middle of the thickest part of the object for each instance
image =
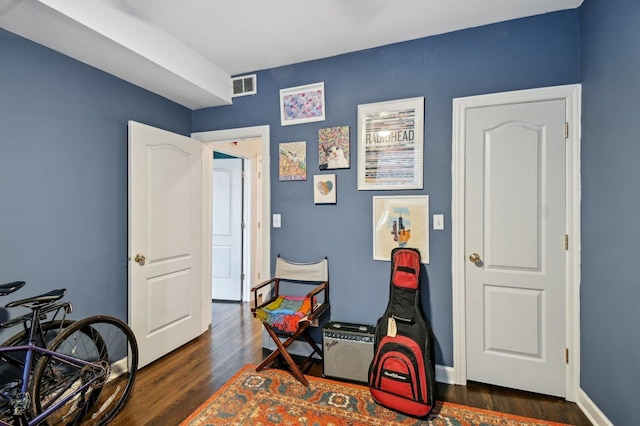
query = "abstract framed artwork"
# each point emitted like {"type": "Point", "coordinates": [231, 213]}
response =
{"type": "Point", "coordinates": [292, 161]}
{"type": "Point", "coordinates": [390, 144]}
{"type": "Point", "coordinates": [324, 189]}
{"type": "Point", "coordinates": [333, 148]}
{"type": "Point", "coordinates": [400, 222]}
{"type": "Point", "coordinates": [302, 104]}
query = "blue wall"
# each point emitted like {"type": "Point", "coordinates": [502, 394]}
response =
{"type": "Point", "coordinates": [63, 174]}
{"type": "Point", "coordinates": [63, 166]}
{"type": "Point", "coordinates": [610, 302]}
{"type": "Point", "coordinates": [527, 53]}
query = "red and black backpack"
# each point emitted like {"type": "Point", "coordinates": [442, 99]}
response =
{"type": "Point", "coordinates": [402, 374]}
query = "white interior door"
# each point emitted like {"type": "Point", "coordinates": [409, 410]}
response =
{"type": "Point", "coordinates": [226, 252]}
{"type": "Point", "coordinates": [515, 226]}
{"type": "Point", "coordinates": [165, 240]}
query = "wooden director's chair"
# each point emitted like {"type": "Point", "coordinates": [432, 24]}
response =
{"type": "Point", "coordinates": [298, 295]}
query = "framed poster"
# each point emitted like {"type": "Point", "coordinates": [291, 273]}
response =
{"type": "Point", "coordinates": [400, 222]}
{"type": "Point", "coordinates": [391, 144]}
{"type": "Point", "coordinates": [292, 161]}
{"type": "Point", "coordinates": [324, 189]}
{"type": "Point", "coordinates": [333, 148]}
{"type": "Point", "coordinates": [302, 104]}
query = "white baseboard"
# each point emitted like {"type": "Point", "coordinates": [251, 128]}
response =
{"type": "Point", "coordinates": [444, 374]}
{"type": "Point", "coordinates": [591, 410]}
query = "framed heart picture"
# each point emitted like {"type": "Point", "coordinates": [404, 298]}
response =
{"type": "Point", "coordinates": [324, 189]}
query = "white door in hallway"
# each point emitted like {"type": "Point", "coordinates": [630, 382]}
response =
{"type": "Point", "coordinates": [165, 240]}
{"type": "Point", "coordinates": [515, 226]}
{"type": "Point", "coordinates": [226, 252]}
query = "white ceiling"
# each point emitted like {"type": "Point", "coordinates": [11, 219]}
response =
{"type": "Point", "coordinates": [187, 50]}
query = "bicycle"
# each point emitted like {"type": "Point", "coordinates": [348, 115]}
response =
{"type": "Point", "coordinates": [46, 328]}
{"type": "Point", "coordinates": [85, 374]}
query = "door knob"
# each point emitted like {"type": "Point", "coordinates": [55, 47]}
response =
{"type": "Point", "coordinates": [139, 258]}
{"type": "Point", "coordinates": [474, 258]}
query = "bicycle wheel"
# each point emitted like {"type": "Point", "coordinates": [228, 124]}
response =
{"type": "Point", "coordinates": [46, 331]}
{"type": "Point", "coordinates": [50, 329]}
{"type": "Point", "coordinates": [12, 363]}
{"type": "Point", "coordinates": [102, 340]}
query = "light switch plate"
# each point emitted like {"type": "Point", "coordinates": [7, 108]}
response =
{"type": "Point", "coordinates": [438, 222]}
{"type": "Point", "coordinates": [277, 220]}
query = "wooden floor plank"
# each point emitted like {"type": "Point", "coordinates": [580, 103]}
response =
{"type": "Point", "coordinates": [171, 388]}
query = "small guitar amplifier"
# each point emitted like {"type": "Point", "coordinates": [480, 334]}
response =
{"type": "Point", "coordinates": [348, 350]}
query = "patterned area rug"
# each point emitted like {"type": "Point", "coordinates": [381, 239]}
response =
{"type": "Point", "coordinates": [274, 397]}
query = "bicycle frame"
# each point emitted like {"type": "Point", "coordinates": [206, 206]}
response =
{"type": "Point", "coordinates": [22, 397]}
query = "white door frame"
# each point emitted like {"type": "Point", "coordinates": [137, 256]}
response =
{"type": "Point", "coordinates": [209, 139]}
{"type": "Point", "coordinates": [572, 95]}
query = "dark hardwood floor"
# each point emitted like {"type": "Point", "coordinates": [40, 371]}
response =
{"type": "Point", "coordinates": [169, 389]}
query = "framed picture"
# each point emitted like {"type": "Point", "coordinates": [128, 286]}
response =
{"type": "Point", "coordinates": [391, 144]}
{"type": "Point", "coordinates": [292, 161]}
{"type": "Point", "coordinates": [324, 189]}
{"type": "Point", "coordinates": [333, 148]}
{"type": "Point", "coordinates": [302, 104]}
{"type": "Point", "coordinates": [400, 222]}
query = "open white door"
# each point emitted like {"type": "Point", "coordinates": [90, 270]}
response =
{"type": "Point", "coordinates": [226, 252]}
{"type": "Point", "coordinates": [165, 240]}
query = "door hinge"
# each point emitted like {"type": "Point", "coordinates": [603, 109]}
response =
{"type": "Point", "coordinates": [242, 277]}
{"type": "Point", "coordinates": [258, 225]}
{"type": "Point", "coordinates": [566, 130]}
{"type": "Point", "coordinates": [244, 174]}
{"type": "Point", "coordinates": [566, 241]}
{"type": "Point", "coordinates": [242, 226]}
{"type": "Point", "coordinates": [566, 355]}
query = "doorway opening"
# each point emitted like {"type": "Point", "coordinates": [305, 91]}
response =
{"type": "Point", "coordinates": [251, 144]}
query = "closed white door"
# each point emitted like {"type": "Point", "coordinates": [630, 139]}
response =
{"type": "Point", "coordinates": [515, 226]}
{"type": "Point", "coordinates": [165, 240]}
{"type": "Point", "coordinates": [226, 253]}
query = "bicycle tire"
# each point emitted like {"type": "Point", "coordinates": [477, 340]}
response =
{"type": "Point", "coordinates": [102, 339]}
{"type": "Point", "coordinates": [47, 326]}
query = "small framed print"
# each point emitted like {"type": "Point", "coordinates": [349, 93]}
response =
{"type": "Point", "coordinates": [292, 161]}
{"type": "Point", "coordinates": [302, 104]}
{"type": "Point", "coordinates": [400, 222]}
{"type": "Point", "coordinates": [333, 148]}
{"type": "Point", "coordinates": [324, 189]}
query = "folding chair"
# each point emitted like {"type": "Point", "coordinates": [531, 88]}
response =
{"type": "Point", "coordinates": [298, 295]}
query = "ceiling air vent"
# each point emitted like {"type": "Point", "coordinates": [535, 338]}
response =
{"type": "Point", "coordinates": [244, 85]}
